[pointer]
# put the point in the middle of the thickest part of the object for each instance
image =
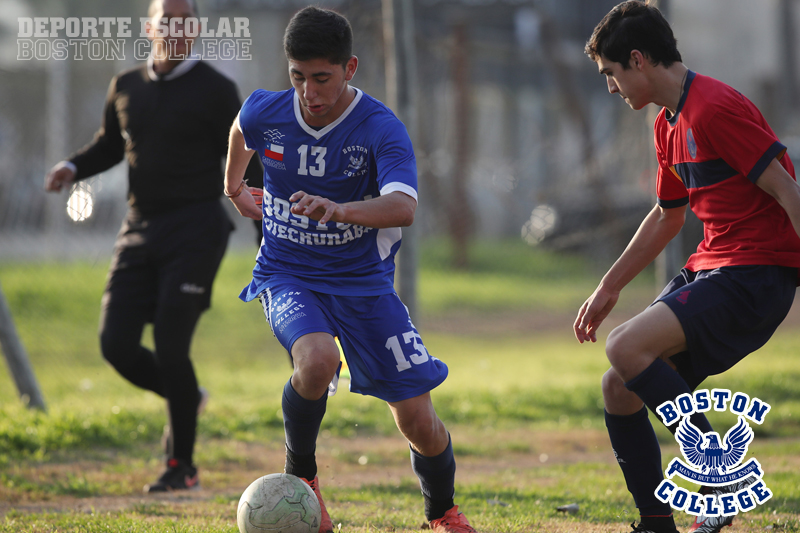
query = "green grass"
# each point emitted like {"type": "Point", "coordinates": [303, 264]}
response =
{"type": "Point", "coordinates": [520, 385]}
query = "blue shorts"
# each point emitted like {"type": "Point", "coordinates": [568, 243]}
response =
{"type": "Point", "coordinates": [726, 314]}
{"type": "Point", "coordinates": [383, 349]}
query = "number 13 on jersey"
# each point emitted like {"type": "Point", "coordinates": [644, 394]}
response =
{"type": "Point", "coordinates": [318, 167]}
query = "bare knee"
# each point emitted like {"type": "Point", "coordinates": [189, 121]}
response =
{"type": "Point", "coordinates": [419, 429]}
{"type": "Point", "coordinates": [315, 364]}
{"type": "Point", "coordinates": [618, 400]}
{"type": "Point", "coordinates": [421, 426]}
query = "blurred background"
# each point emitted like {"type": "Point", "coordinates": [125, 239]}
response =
{"type": "Point", "coordinates": [532, 177]}
{"type": "Point", "coordinates": [515, 133]}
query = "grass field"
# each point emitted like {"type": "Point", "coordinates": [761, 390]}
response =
{"type": "Point", "coordinates": [522, 402]}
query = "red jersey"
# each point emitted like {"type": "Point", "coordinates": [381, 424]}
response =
{"type": "Point", "coordinates": [710, 154]}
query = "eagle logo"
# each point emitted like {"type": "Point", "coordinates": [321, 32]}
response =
{"type": "Point", "coordinates": [704, 451]}
{"type": "Point", "coordinates": [356, 162]}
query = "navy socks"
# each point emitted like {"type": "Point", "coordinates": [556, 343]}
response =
{"type": "Point", "coordinates": [659, 383]}
{"type": "Point", "coordinates": [437, 480]}
{"type": "Point", "coordinates": [301, 421]}
{"type": "Point", "coordinates": [639, 456]}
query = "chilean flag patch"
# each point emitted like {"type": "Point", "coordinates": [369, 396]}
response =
{"type": "Point", "coordinates": [275, 151]}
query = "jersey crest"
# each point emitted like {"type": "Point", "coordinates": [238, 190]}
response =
{"type": "Point", "coordinates": [690, 144]}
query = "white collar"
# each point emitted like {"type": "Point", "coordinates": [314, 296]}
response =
{"type": "Point", "coordinates": [180, 69]}
{"type": "Point", "coordinates": [318, 134]}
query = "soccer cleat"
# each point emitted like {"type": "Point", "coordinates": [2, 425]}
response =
{"type": "Point", "coordinates": [325, 524]}
{"type": "Point", "coordinates": [710, 524]}
{"type": "Point", "coordinates": [644, 529]}
{"type": "Point", "coordinates": [166, 436]}
{"type": "Point", "coordinates": [714, 524]}
{"type": "Point", "coordinates": [451, 522]}
{"type": "Point", "coordinates": [641, 528]}
{"type": "Point", "coordinates": [179, 476]}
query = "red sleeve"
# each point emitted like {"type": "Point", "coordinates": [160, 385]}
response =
{"type": "Point", "coordinates": [670, 190]}
{"type": "Point", "coordinates": [744, 141]}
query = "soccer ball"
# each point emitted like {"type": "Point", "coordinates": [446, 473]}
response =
{"type": "Point", "coordinates": [279, 503]}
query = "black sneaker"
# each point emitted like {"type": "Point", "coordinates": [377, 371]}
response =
{"type": "Point", "coordinates": [644, 529]}
{"type": "Point", "coordinates": [178, 476]}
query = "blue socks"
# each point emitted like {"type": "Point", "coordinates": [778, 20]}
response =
{"type": "Point", "coordinates": [301, 422]}
{"type": "Point", "coordinates": [437, 480]}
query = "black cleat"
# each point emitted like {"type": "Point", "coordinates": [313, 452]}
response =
{"type": "Point", "coordinates": [178, 476]}
{"type": "Point", "coordinates": [714, 524]}
{"type": "Point", "coordinates": [644, 529]}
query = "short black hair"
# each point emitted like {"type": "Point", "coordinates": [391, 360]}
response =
{"type": "Point", "coordinates": [317, 33]}
{"type": "Point", "coordinates": [634, 25]}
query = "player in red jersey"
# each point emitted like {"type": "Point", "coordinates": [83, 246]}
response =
{"type": "Point", "coordinates": [717, 154]}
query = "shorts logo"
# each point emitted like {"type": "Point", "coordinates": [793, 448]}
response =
{"type": "Point", "coordinates": [284, 313]}
{"type": "Point", "coordinates": [191, 288]}
{"type": "Point", "coordinates": [711, 461]}
{"type": "Point", "coordinates": [691, 144]}
{"type": "Point", "coordinates": [683, 297]}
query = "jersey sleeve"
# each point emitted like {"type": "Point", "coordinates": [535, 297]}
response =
{"type": "Point", "coordinates": [397, 166]}
{"type": "Point", "coordinates": [670, 189]}
{"type": "Point", "coordinates": [743, 142]}
{"type": "Point", "coordinates": [248, 120]}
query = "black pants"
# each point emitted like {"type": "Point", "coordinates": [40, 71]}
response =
{"type": "Point", "coordinates": [162, 273]}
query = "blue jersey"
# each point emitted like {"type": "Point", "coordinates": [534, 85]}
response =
{"type": "Point", "coordinates": [365, 153]}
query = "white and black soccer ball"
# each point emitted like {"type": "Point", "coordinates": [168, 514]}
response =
{"type": "Point", "coordinates": [278, 503]}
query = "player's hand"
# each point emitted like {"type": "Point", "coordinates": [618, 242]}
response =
{"type": "Point", "coordinates": [316, 207]}
{"type": "Point", "coordinates": [593, 312]}
{"type": "Point", "coordinates": [258, 195]}
{"type": "Point", "coordinates": [58, 178]}
{"type": "Point", "coordinates": [248, 203]}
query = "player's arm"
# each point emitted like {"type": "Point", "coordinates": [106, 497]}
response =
{"type": "Point", "coordinates": [246, 199]}
{"type": "Point", "coordinates": [393, 210]}
{"type": "Point", "coordinates": [658, 228]}
{"type": "Point", "coordinates": [776, 182]}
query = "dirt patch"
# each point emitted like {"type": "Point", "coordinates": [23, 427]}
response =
{"type": "Point", "coordinates": [345, 463]}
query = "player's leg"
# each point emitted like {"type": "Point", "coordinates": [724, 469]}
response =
{"type": "Point", "coordinates": [640, 375]}
{"type": "Point", "coordinates": [388, 360]}
{"type": "Point", "coordinates": [300, 320]}
{"type": "Point", "coordinates": [432, 458]}
{"type": "Point", "coordinates": [638, 351]}
{"type": "Point", "coordinates": [637, 452]}
{"type": "Point", "coordinates": [128, 304]}
{"type": "Point", "coordinates": [305, 397]}
{"type": "Point", "coordinates": [187, 247]}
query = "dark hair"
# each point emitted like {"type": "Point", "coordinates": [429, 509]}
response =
{"type": "Point", "coordinates": [316, 33]}
{"type": "Point", "coordinates": [634, 25]}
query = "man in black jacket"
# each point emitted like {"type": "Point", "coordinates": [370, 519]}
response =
{"type": "Point", "coordinates": [170, 119]}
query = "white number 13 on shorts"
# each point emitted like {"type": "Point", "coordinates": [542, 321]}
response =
{"type": "Point", "coordinates": [419, 356]}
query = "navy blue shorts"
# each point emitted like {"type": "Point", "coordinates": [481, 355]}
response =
{"type": "Point", "coordinates": [383, 349]}
{"type": "Point", "coordinates": [726, 314]}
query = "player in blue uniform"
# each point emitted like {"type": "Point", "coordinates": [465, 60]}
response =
{"type": "Point", "coordinates": [339, 182]}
